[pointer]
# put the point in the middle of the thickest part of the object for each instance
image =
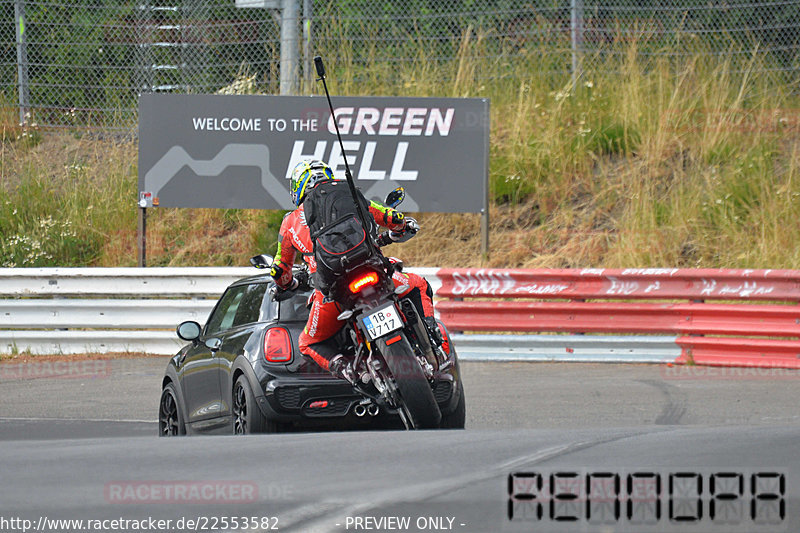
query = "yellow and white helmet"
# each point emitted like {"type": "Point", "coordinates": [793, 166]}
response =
{"type": "Point", "coordinates": [306, 175]}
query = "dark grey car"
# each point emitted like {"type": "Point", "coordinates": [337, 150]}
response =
{"type": "Point", "coordinates": [243, 373]}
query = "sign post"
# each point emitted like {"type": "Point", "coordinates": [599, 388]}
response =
{"type": "Point", "coordinates": [485, 210]}
{"type": "Point", "coordinates": [141, 244]}
{"type": "Point", "coordinates": [145, 201]}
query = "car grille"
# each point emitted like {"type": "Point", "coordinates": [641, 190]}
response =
{"type": "Point", "coordinates": [288, 397]}
{"type": "Point", "coordinates": [334, 408]}
{"type": "Point", "coordinates": [443, 391]}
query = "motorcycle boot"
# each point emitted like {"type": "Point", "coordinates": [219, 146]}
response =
{"type": "Point", "coordinates": [342, 368]}
{"type": "Point", "coordinates": [438, 341]}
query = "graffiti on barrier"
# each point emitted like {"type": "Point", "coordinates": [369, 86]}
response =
{"type": "Point", "coordinates": [649, 271]}
{"type": "Point", "coordinates": [500, 283]}
{"type": "Point", "coordinates": [623, 288]}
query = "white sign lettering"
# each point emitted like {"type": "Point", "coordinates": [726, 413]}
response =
{"type": "Point", "coordinates": [413, 121]}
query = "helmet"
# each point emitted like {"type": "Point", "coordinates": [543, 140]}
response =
{"type": "Point", "coordinates": [306, 175]}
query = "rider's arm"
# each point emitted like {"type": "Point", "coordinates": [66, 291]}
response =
{"type": "Point", "coordinates": [402, 227]}
{"type": "Point", "coordinates": [284, 257]}
{"type": "Point", "coordinates": [387, 216]}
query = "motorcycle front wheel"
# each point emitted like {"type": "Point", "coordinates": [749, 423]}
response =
{"type": "Point", "coordinates": [414, 394]}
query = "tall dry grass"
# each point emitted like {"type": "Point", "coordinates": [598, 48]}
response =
{"type": "Point", "coordinates": [675, 158]}
{"type": "Point", "coordinates": [642, 161]}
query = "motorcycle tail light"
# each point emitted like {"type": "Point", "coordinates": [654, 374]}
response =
{"type": "Point", "coordinates": [366, 280]}
{"type": "Point", "coordinates": [277, 346]}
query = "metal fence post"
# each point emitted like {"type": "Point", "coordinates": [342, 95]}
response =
{"type": "Point", "coordinates": [22, 60]}
{"type": "Point", "coordinates": [307, 19]}
{"type": "Point", "coordinates": [290, 10]}
{"type": "Point", "coordinates": [576, 32]}
{"type": "Point", "coordinates": [144, 37]}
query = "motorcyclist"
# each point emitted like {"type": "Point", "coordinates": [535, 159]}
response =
{"type": "Point", "coordinates": [318, 337]}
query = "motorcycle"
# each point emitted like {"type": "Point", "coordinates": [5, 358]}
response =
{"type": "Point", "coordinates": [394, 352]}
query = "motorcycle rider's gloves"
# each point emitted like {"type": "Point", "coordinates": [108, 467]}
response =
{"type": "Point", "coordinates": [411, 228]}
{"type": "Point", "coordinates": [303, 280]}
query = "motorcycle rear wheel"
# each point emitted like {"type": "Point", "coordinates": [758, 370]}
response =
{"type": "Point", "coordinates": [415, 395]}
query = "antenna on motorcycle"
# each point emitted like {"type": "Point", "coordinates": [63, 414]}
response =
{"type": "Point", "coordinates": [321, 73]}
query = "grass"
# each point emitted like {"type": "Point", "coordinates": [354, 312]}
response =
{"type": "Point", "coordinates": [642, 161]}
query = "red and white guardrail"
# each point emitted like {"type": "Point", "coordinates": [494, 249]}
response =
{"type": "Point", "coordinates": [718, 317]}
{"type": "Point", "coordinates": [709, 317]}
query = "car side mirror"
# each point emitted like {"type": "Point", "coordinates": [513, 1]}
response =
{"type": "Point", "coordinates": [189, 331]}
{"type": "Point", "coordinates": [261, 261]}
{"type": "Point", "coordinates": [213, 344]}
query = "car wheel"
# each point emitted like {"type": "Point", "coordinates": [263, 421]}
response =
{"type": "Point", "coordinates": [170, 419]}
{"type": "Point", "coordinates": [247, 417]}
{"type": "Point", "coordinates": [456, 419]}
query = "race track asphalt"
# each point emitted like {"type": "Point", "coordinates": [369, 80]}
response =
{"type": "Point", "coordinates": [661, 438]}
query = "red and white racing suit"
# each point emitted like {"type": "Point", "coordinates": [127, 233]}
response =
{"type": "Point", "coordinates": [316, 340]}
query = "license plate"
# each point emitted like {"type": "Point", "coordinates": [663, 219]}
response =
{"type": "Point", "coordinates": [383, 321]}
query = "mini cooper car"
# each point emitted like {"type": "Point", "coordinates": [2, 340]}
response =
{"type": "Point", "coordinates": [243, 373]}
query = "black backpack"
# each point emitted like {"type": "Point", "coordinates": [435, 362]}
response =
{"type": "Point", "coordinates": [340, 241]}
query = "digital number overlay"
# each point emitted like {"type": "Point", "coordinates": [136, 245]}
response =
{"type": "Point", "coordinates": [724, 497]}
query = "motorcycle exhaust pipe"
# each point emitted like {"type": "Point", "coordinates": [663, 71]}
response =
{"type": "Point", "coordinates": [373, 409]}
{"type": "Point", "coordinates": [360, 410]}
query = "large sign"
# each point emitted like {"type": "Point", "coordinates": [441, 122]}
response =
{"type": "Point", "coordinates": [239, 151]}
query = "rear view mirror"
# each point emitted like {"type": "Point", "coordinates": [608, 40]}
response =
{"type": "Point", "coordinates": [395, 198]}
{"type": "Point", "coordinates": [189, 331]}
{"type": "Point", "coordinates": [261, 261]}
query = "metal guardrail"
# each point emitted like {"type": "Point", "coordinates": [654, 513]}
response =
{"type": "Point", "coordinates": [101, 313]}
{"type": "Point", "coordinates": [39, 342]}
{"type": "Point", "coordinates": [638, 301]}
{"type": "Point", "coordinates": [167, 282]}
{"type": "Point", "coordinates": [105, 310]}
{"type": "Point", "coordinates": [626, 284]}
{"type": "Point", "coordinates": [96, 310]}
{"type": "Point", "coordinates": [568, 348]}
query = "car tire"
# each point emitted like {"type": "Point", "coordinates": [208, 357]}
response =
{"type": "Point", "coordinates": [457, 419]}
{"type": "Point", "coordinates": [170, 418]}
{"type": "Point", "coordinates": [247, 417]}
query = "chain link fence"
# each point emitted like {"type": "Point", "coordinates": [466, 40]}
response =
{"type": "Point", "coordinates": [84, 62]}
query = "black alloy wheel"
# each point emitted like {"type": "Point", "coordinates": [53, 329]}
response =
{"type": "Point", "coordinates": [170, 419]}
{"type": "Point", "coordinates": [247, 418]}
